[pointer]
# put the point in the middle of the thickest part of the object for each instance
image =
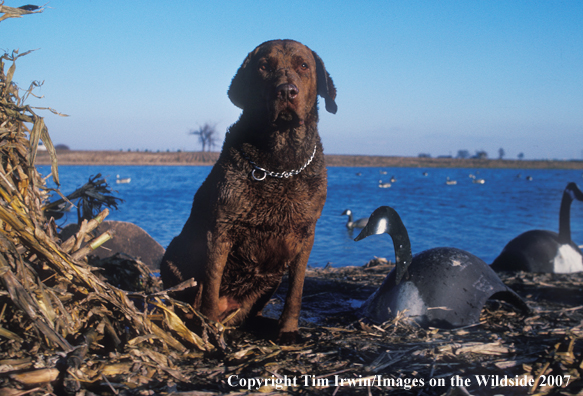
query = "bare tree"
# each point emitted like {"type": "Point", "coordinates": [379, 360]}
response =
{"type": "Point", "coordinates": [206, 135]}
{"type": "Point", "coordinates": [463, 154]}
{"type": "Point", "coordinates": [501, 153]}
{"type": "Point", "coordinates": [481, 154]}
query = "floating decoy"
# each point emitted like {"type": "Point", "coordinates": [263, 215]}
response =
{"type": "Point", "coordinates": [350, 224]}
{"type": "Point", "coordinates": [450, 182]}
{"type": "Point", "coordinates": [384, 185]}
{"type": "Point", "coordinates": [440, 287]}
{"type": "Point", "coordinates": [529, 178]}
{"type": "Point", "coordinates": [123, 180]}
{"type": "Point", "coordinates": [382, 172]}
{"type": "Point", "coordinates": [393, 179]}
{"type": "Point", "coordinates": [476, 180]}
{"type": "Point", "coordinates": [425, 174]}
{"type": "Point", "coordinates": [542, 250]}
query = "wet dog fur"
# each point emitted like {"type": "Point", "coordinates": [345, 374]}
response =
{"type": "Point", "coordinates": [242, 233]}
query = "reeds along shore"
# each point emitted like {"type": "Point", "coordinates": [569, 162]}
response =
{"type": "Point", "coordinates": [71, 157]}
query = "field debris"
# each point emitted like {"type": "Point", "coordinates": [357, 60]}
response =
{"type": "Point", "coordinates": [72, 325]}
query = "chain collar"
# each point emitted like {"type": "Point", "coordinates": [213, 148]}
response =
{"type": "Point", "coordinates": [279, 175]}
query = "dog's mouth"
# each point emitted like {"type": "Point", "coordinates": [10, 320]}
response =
{"type": "Point", "coordinates": [286, 113]}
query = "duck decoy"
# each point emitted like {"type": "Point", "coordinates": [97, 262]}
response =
{"type": "Point", "coordinates": [384, 185]}
{"type": "Point", "coordinates": [542, 250]}
{"type": "Point", "coordinates": [450, 182]}
{"type": "Point", "coordinates": [351, 224]}
{"type": "Point", "coordinates": [440, 287]}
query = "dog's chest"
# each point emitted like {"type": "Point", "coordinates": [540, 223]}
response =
{"type": "Point", "coordinates": [280, 204]}
{"type": "Point", "coordinates": [270, 221]}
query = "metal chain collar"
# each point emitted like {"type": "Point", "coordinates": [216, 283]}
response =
{"type": "Point", "coordinates": [279, 175]}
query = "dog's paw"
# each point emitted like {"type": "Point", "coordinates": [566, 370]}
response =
{"type": "Point", "coordinates": [289, 337]}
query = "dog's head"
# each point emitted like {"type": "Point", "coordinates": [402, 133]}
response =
{"type": "Point", "coordinates": [282, 79]}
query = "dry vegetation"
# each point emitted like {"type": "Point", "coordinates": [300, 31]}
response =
{"type": "Point", "coordinates": [71, 326]}
{"type": "Point", "coordinates": [71, 157]}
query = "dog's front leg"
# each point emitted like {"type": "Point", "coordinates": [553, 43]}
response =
{"type": "Point", "coordinates": [288, 321]}
{"type": "Point", "coordinates": [217, 253]}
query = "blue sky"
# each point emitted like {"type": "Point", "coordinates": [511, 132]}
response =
{"type": "Point", "coordinates": [412, 76]}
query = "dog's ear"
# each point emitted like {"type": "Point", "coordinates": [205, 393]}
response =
{"type": "Point", "coordinates": [239, 88]}
{"type": "Point", "coordinates": [326, 88]}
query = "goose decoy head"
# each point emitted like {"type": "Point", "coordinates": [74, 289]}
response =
{"type": "Point", "coordinates": [351, 224]}
{"type": "Point", "coordinates": [573, 193]}
{"type": "Point", "coordinates": [386, 220]}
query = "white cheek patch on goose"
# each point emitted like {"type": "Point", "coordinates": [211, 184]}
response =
{"type": "Point", "coordinates": [382, 226]}
{"type": "Point", "coordinates": [567, 260]}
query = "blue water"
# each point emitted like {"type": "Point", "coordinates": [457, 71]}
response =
{"type": "Point", "coordinates": [479, 218]}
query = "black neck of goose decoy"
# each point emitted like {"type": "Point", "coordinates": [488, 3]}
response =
{"type": "Point", "coordinates": [571, 193]}
{"type": "Point", "coordinates": [386, 220]}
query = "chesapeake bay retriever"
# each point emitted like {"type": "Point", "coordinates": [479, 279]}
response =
{"type": "Point", "coordinates": [254, 216]}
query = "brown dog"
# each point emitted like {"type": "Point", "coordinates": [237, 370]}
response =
{"type": "Point", "coordinates": [254, 217]}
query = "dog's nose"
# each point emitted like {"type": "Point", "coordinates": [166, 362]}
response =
{"type": "Point", "coordinates": [287, 91]}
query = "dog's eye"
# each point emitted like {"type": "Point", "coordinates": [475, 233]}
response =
{"type": "Point", "coordinates": [304, 66]}
{"type": "Point", "coordinates": [264, 67]}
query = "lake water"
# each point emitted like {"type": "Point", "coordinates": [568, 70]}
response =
{"type": "Point", "coordinates": [479, 218]}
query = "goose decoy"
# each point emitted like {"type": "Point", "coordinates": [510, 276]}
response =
{"type": "Point", "coordinates": [124, 180]}
{"type": "Point", "coordinates": [384, 185]}
{"type": "Point", "coordinates": [542, 250]}
{"type": "Point", "coordinates": [476, 180]}
{"type": "Point", "coordinates": [440, 287]}
{"type": "Point", "coordinates": [351, 224]}
{"type": "Point", "coordinates": [450, 182]}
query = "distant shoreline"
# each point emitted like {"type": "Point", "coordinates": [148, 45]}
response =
{"type": "Point", "coordinates": [197, 158]}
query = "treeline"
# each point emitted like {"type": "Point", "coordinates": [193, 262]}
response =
{"type": "Point", "coordinates": [465, 154]}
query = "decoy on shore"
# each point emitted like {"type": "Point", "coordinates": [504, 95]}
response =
{"type": "Point", "coordinates": [542, 250]}
{"type": "Point", "coordinates": [440, 287]}
{"type": "Point", "coordinates": [351, 224]}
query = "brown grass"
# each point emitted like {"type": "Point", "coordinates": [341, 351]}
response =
{"type": "Point", "coordinates": [74, 157]}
